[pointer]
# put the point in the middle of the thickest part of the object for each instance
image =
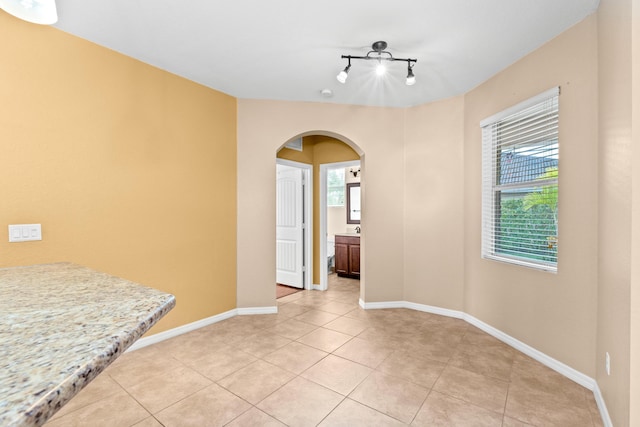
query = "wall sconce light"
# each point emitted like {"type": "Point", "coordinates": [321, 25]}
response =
{"type": "Point", "coordinates": [355, 173]}
{"type": "Point", "coordinates": [379, 54]}
{"type": "Point", "coordinates": [36, 11]}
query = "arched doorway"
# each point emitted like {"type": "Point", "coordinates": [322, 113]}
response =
{"type": "Point", "coordinates": [324, 152]}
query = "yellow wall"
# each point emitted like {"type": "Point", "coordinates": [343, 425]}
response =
{"type": "Point", "coordinates": [318, 150]}
{"type": "Point", "coordinates": [129, 169]}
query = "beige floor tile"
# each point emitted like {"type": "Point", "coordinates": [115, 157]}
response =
{"type": "Point", "coordinates": [475, 358]}
{"type": "Point", "coordinates": [221, 363]}
{"type": "Point", "coordinates": [325, 339]}
{"type": "Point", "coordinates": [535, 377]}
{"type": "Point", "coordinates": [301, 403]}
{"type": "Point", "coordinates": [440, 410]}
{"type": "Point", "coordinates": [292, 309]}
{"type": "Point", "coordinates": [119, 410]}
{"type": "Point", "coordinates": [542, 408]}
{"type": "Point", "coordinates": [485, 341]}
{"type": "Point", "coordinates": [488, 393]}
{"type": "Point", "coordinates": [148, 422]}
{"type": "Point", "coordinates": [593, 409]}
{"type": "Point", "coordinates": [255, 417]}
{"type": "Point", "coordinates": [197, 343]}
{"type": "Point", "coordinates": [212, 406]}
{"type": "Point", "coordinates": [336, 307]}
{"type": "Point", "coordinates": [133, 368]}
{"type": "Point", "coordinates": [295, 357]}
{"type": "Point", "coordinates": [290, 298]}
{"type": "Point", "coordinates": [365, 352]}
{"type": "Point", "coordinates": [159, 391]}
{"type": "Point", "coordinates": [262, 344]}
{"type": "Point", "coordinates": [347, 325]}
{"type": "Point", "coordinates": [393, 396]}
{"type": "Point", "coordinates": [338, 374]}
{"type": "Point", "coordinates": [412, 368]}
{"type": "Point", "coordinates": [511, 422]}
{"type": "Point", "coordinates": [432, 347]}
{"type": "Point", "coordinates": [353, 414]}
{"type": "Point", "coordinates": [98, 389]}
{"type": "Point", "coordinates": [256, 381]}
{"type": "Point", "coordinates": [316, 317]}
{"type": "Point", "coordinates": [292, 329]}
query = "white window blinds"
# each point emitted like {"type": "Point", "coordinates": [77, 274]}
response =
{"type": "Point", "coordinates": [520, 183]}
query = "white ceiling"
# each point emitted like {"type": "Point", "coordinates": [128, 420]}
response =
{"type": "Point", "coordinates": [290, 49]}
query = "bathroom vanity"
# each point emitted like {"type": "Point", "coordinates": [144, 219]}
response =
{"type": "Point", "coordinates": [348, 255]}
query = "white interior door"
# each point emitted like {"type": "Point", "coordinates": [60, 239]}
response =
{"type": "Point", "coordinates": [289, 226]}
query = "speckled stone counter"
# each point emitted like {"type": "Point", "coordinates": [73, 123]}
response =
{"type": "Point", "coordinates": [60, 326]}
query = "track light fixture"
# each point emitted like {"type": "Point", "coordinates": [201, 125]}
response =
{"type": "Point", "coordinates": [378, 53]}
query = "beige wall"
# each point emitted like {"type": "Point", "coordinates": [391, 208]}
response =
{"type": "Point", "coordinates": [263, 126]}
{"type": "Point", "coordinates": [434, 215]}
{"type": "Point", "coordinates": [634, 395]}
{"type": "Point", "coordinates": [129, 169]}
{"type": "Point", "coordinates": [554, 313]}
{"type": "Point", "coordinates": [614, 49]}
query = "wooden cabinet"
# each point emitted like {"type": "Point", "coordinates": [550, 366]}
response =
{"type": "Point", "coordinates": [348, 256]}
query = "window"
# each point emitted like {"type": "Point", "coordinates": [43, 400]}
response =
{"type": "Point", "coordinates": [520, 183]}
{"type": "Point", "coordinates": [335, 187]}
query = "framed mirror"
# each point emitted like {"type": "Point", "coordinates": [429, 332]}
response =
{"type": "Point", "coordinates": [353, 203]}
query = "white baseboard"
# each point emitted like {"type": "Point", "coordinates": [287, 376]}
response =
{"type": "Point", "coordinates": [604, 413]}
{"type": "Point", "coordinates": [315, 287]}
{"type": "Point", "coordinates": [165, 335]}
{"type": "Point", "coordinates": [257, 310]}
{"type": "Point", "coordinates": [546, 360]}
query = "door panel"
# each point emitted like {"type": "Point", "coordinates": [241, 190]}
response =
{"type": "Point", "coordinates": [289, 226]}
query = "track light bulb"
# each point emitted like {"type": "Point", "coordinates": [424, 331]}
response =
{"type": "Point", "coordinates": [36, 11]}
{"type": "Point", "coordinates": [342, 75]}
{"type": "Point", "coordinates": [411, 78]}
{"type": "Point", "coordinates": [380, 69]}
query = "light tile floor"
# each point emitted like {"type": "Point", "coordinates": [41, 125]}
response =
{"type": "Point", "coordinates": [324, 361]}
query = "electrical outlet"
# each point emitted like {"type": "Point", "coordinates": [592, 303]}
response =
{"type": "Point", "coordinates": [607, 363]}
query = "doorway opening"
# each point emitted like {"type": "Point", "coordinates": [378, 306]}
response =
{"type": "Point", "coordinates": [340, 214]}
{"type": "Point", "coordinates": [325, 157]}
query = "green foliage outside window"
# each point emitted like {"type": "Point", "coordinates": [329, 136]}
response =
{"type": "Point", "coordinates": [528, 221]}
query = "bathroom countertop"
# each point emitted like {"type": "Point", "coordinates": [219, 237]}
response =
{"type": "Point", "coordinates": [60, 326]}
{"type": "Point", "coordinates": [348, 234]}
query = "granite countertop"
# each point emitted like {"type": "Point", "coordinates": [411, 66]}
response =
{"type": "Point", "coordinates": [60, 326]}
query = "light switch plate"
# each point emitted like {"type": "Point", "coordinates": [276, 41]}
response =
{"type": "Point", "coordinates": [25, 232]}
